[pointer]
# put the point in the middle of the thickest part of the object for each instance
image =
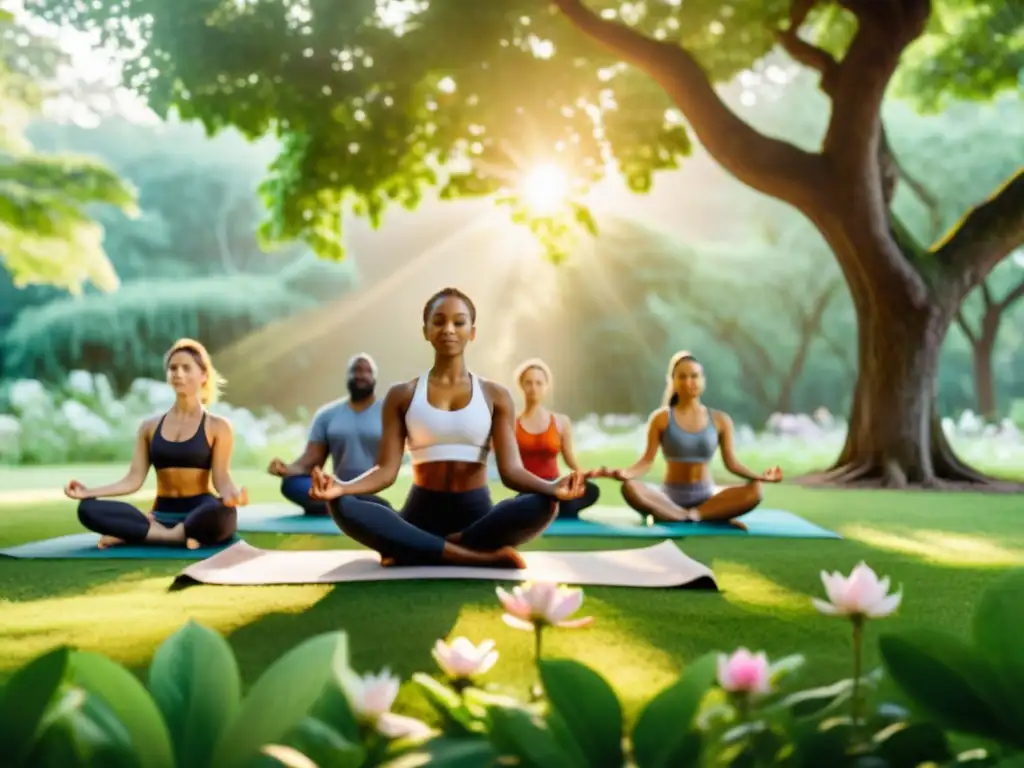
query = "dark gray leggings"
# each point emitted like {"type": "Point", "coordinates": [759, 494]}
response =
{"type": "Point", "coordinates": [416, 535]}
{"type": "Point", "coordinates": [205, 517]}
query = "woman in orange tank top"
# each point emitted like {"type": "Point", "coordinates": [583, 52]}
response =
{"type": "Point", "coordinates": [543, 436]}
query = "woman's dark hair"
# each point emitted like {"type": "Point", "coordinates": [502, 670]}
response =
{"type": "Point", "coordinates": [449, 293]}
{"type": "Point", "coordinates": [671, 398]}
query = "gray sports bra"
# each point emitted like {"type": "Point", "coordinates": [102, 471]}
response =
{"type": "Point", "coordinates": [692, 447]}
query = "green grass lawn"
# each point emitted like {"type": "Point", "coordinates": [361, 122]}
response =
{"type": "Point", "coordinates": [943, 548]}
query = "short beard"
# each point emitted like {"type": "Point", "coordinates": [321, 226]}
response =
{"type": "Point", "coordinates": [360, 392]}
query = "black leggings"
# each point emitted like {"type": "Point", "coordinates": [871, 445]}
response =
{"type": "Point", "coordinates": [416, 535]}
{"type": "Point", "coordinates": [570, 510]}
{"type": "Point", "coordinates": [206, 518]}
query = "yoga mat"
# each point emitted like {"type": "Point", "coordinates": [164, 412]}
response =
{"type": "Point", "coordinates": [83, 546]}
{"type": "Point", "coordinates": [283, 518]}
{"type": "Point", "coordinates": [622, 522]}
{"type": "Point", "coordinates": [599, 521]}
{"type": "Point", "coordinates": [659, 565]}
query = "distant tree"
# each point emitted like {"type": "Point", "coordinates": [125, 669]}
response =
{"type": "Point", "coordinates": [372, 100]}
{"type": "Point", "coordinates": [48, 234]}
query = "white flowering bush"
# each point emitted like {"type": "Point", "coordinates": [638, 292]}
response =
{"type": "Point", "coordinates": [82, 421]}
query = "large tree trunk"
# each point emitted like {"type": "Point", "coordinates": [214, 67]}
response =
{"type": "Point", "coordinates": [984, 384]}
{"type": "Point", "coordinates": [889, 440]}
{"type": "Point", "coordinates": [895, 438]}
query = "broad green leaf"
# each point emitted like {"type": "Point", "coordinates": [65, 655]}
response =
{"type": "Point", "coordinates": [84, 732]}
{"type": "Point", "coordinates": [946, 680]}
{"type": "Point", "coordinates": [664, 736]}
{"type": "Point", "coordinates": [998, 627]}
{"type": "Point", "coordinates": [589, 708]}
{"type": "Point", "coordinates": [456, 717]}
{"type": "Point", "coordinates": [130, 702]}
{"type": "Point", "coordinates": [913, 744]}
{"type": "Point", "coordinates": [575, 757]}
{"type": "Point", "coordinates": [24, 700]}
{"type": "Point", "coordinates": [333, 709]}
{"type": "Point", "coordinates": [519, 732]}
{"type": "Point", "coordinates": [195, 682]}
{"type": "Point", "coordinates": [447, 753]}
{"type": "Point", "coordinates": [324, 745]}
{"type": "Point", "coordinates": [284, 695]}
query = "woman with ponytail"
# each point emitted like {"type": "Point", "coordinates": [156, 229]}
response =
{"type": "Point", "coordinates": [189, 448]}
{"type": "Point", "coordinates": [688, 434]}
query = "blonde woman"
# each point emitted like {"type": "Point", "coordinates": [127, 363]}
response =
{"type": "Point", "coordinates": [188, 447]}
{"type": "Point", "coordinates": [543, 436]}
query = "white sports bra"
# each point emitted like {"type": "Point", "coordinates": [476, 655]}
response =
{"type": "Point", "coordinates": [437, 435]}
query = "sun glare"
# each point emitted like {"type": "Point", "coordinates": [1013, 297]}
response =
{"type": "Point", "coordinates": [545, 189]}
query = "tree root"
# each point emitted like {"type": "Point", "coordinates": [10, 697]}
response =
{"type": "Point", "coordinates": [889, 474]}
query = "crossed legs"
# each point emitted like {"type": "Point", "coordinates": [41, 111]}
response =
{"type": "Point", "coordinates": [206, 522]}
{"type": "Point", "coordinates": [436, 528]}
{"type": "Point", "coordinates": [722, 506]}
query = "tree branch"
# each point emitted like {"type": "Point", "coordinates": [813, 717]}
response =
{"type": "Point", "coordinates": [841, 353]}
{"type": "Point", "coordinates": [985, 236]}
{"type": "Point", "coordinates": [884, 30]}
{"type": "Point", "coordinates": [771, 166]}
{"type": "Point", "coordinates": [929, 200]}
{"type": "Point", "coordinates": [1011, 298]}
{"type": "Point", "coordinates": [808, 327]}
{"type": "Point", "coordinates": [986, 295]}
{"type": "Point", "coordinates": [961, 320]}
{"type": "Point", "coordinates": [805, 53]}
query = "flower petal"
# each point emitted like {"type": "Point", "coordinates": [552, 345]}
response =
{"type": "Point", "coordinates": [517, 623]}
{"type": "Point", "coordinates": [567, 602]}
{"type": "Point", "coordinates": [886, 606]}
{"type": "Point", "coordinates": [485, 664]}
{"type": "Point", "coordinates": [826, 608]}
{"type": "Point", "coordinates": [401, 727]}
{"type": "Point", "coordinates": [576, 623]}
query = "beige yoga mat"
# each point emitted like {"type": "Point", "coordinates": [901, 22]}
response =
{"type": "Point", "coordinates": [660, 565]}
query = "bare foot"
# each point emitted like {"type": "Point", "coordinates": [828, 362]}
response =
{"type": "Point", "coordinates": [192, 544]}
{"type": "Point", "coordinates": [109, 541]}
{"type": "Point", "coordinates": [741, 525]}
{"type": "Point", "coordinates": [506, 557]}
{"type": "Point", "coordinates": [454, 538]}
{"type": "Point", "coordinates": [387, 562]}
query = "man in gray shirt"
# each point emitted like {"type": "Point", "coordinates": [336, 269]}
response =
{"type": "Point", "coordinates": [348, 430]}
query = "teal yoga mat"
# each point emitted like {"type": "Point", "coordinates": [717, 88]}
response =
{"type": "Point", "coordinates": [612, 522]}
{"type": "Point", "coordinates": [81, 546]}
{"type": "Point", "coordinates": [603, 522]}
{"type": "Point", "coordinates": [284, 518]}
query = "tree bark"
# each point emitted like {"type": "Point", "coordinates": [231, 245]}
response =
{"type": "Point", "coordinates": [984, 384]}
{"type": "Point", "coordinates": [905, 297]}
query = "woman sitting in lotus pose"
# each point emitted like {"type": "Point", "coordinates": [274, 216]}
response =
{"type": "Point", "coordinates": [449, 418]}
{"type": "Point", "coordinates": [689, 433]}
{"type": "Point", "coordinates": [543, 436]}
{"type": "Point", "coordinates": [188, 446]}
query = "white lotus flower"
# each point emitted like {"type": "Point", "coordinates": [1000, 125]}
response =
{"type": "Point", "coordinates": [861, 595]}
{"type": "Point", "coordinates": [463, 659]}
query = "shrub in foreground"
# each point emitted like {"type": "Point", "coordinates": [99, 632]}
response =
{"type": "Point", "coordinates": [70, 708]}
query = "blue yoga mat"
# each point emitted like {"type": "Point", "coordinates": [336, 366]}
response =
{"type": "Point", "coordinates": [770, 523]}
{"type": "Point", "coordinates": [280, 518]}
{"type": "Point", "coordinates": [604, 522]}
{"type": "Point", "coordinates": [80, 546]}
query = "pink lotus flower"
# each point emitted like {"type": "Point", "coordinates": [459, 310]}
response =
{"type": "Point", "coordinates": [462, 659]}
{"type": "Point", "coordinates": [539, 604]}
{"type": "Point", "coordinates": [744, 672]}
{"type": "Point", "coordinates": [861, 595]}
